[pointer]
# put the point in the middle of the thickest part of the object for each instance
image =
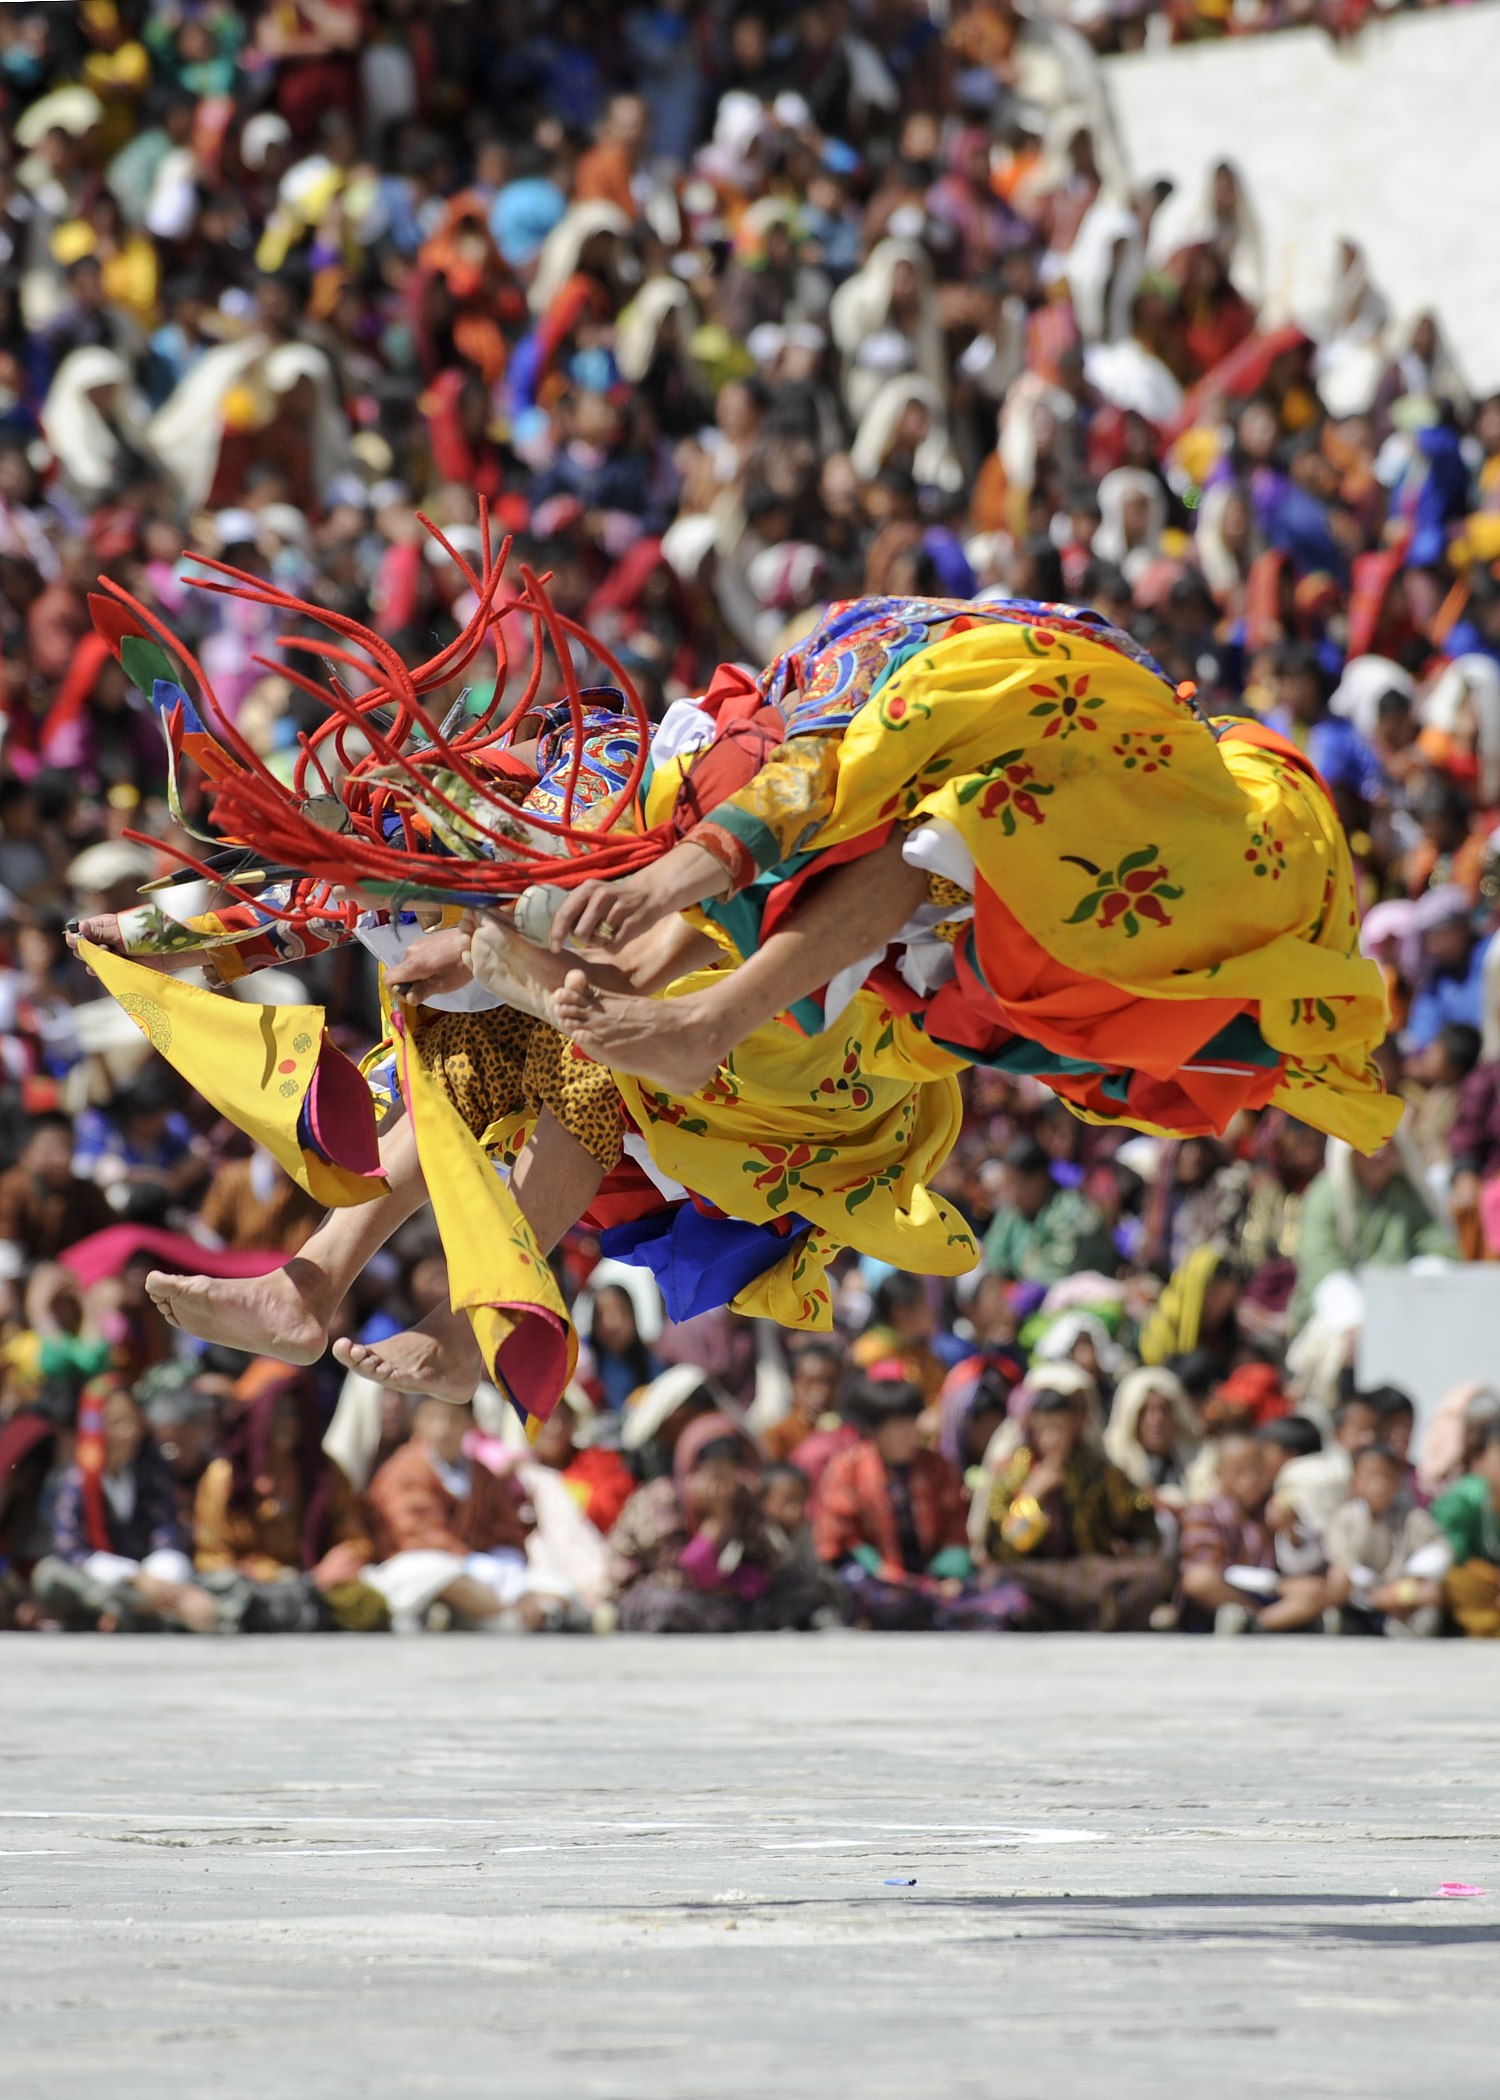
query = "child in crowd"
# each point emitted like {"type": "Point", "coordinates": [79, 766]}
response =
{"type": "Point", "coordinates": [1229, 1581]}
{"type": "Point", "coordinates": [693, 1552]}
{"type": "Point", "coordinates": [1387, 1555]}
{"type": "Point", "coordinates": [446, 1529]}
{"type": "Point", "coordinates": [1071, 1530]}
{"type": "Point", "coordinates": [784, 1493]}
{"type": "Point", "coordinates": [890, 1519]}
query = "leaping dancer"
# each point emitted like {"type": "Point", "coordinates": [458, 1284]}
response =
{"type": "Point", "coordinates": [777, 929]}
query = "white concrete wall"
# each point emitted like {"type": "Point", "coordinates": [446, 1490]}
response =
{"type": "Point", "coordinates": [1392, 140]}
{"type": "Point", "coordinates": [1428, 1330]}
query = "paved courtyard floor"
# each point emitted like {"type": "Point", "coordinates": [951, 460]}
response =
{"type": "Point", "coordinates": [767, 1866]}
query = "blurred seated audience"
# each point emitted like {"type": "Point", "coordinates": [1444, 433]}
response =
{"type": "Point", "coordinates": [119, 1558]}
{"type": "Point", "coordinates": [1230, 1583]}
{"type": "Point", "coordinates": [692, 1551]}
{"type": "Point", "coordinates": [1071, 1530]}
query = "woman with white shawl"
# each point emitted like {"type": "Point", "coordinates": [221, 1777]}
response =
{"type": "Point", "coordinates": [638, 330]}
{"type": "Point", "coordinates": [652, 339]}
{"type": "Point", "coordinates": [1078, 1336]}
{"type": "Point", "coordinates": [1352, 327]}
{"type": "Point", "coordinates": [1464, 704]}
{"type": "Point", "coordinates": [1428, 369]}
{"type": "Point", "coordinates": [1224, 541]}
{"type": "Point", "coordinates": [1219, 216]}
{"type": "Point", "coordinates": [1156, 1448]}
{"type": "Point", "coordinates": [1133, 516]}
{"type": "Point", "coordinates": [1035, 418]}
{"type": "Point", "coordinates": [884, 320]}
{"type": "Point", "coordinates": [562, 251]}
{"type": "Point", "coordinates": [1365, 683]}
{"type": "Point", "coordinates": [188, 428]}
{"type": "Point", "coordinates": [93, 420]}
{"type": "Point", "coordinates": [908, 415]}
{"type": "Point", "coordinates": [1104, 267]}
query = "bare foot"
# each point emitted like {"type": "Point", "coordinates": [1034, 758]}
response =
{"type": "Point", "coordinates": [515, 971]}
{"type": "Point", "coordinates": [273, 1315]}
{"type": "Point", "coordinates": [439, 1356]}
{"type": "Point", "coordinates": [669, 1040]}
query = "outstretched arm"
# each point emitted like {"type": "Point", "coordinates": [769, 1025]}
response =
{"type": "Point", "coordinates": [105, 932]}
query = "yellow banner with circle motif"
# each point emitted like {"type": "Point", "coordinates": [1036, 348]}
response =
{"type": "Point", "coordinates": [258, 1066]}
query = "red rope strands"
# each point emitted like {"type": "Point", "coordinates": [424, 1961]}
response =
{"type": "Point", "coordinates": [250, 805]}
{"type": "Point", "coordinates": [403, 690]}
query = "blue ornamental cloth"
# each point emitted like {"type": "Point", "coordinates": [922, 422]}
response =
{"type": "Point", "coordinates": [700, 1262]}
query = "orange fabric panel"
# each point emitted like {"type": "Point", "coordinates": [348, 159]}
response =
{"type": "Point", "coordinates": [1041, 998]}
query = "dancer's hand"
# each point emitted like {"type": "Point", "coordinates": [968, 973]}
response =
{"type": "Point", "coordinates": [104, 932]}
{"type": "Point", "coordinates": [609, 914]}
{"type": "Point", "coordinates": [435, 963]}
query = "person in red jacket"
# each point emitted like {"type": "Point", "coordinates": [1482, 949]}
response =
{"type": "Point", "coordinates": [598, 1479]}
{"type": "Point", "coordinates": [890, 1519]}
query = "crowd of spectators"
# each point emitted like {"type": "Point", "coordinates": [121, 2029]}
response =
{"type": "Point", "coordinates": [728, 312]}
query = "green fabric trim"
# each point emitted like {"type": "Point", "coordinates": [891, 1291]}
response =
{"type": "Point", "coordinates": [1019, 1056]}
{"type": "Point", "coordinates": [1241, 1043]}
{"type": "Point", "coordinates": [758, 840]}
{"type": "Point", "coordinates": [740, 917]}
{"type": "Point", "coordinates": [953, 1561]}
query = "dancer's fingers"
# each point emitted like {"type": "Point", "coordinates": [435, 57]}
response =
{"type": "Point", "coordinates": [632, 907]}
{"type": "Point", "coordinates": [565, 919]}
{"type": "Point", "coordinates": [599, 922]}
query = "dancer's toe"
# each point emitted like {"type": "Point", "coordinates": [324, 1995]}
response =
{"type": "Point", "coordinates": [442, 1360]}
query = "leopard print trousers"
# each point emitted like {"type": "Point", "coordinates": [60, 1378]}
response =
{"type": "Point", "coordinates": [496, 1064]}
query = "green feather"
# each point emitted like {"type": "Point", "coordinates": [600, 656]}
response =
{"type": "Point", "coordinates": [145, 662]}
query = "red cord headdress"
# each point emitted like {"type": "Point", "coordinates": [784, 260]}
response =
{"type": "Point", "coordinates": [430, 785]}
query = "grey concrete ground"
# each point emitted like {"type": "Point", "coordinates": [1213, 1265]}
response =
{"type": "Point", "coordinates": [659, 1869]}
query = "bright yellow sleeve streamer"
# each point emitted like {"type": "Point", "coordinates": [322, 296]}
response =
{"type": "Point", "coordinates": [497, 1273]}
{"type": "Point", "coordinates": [254, 1064]}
